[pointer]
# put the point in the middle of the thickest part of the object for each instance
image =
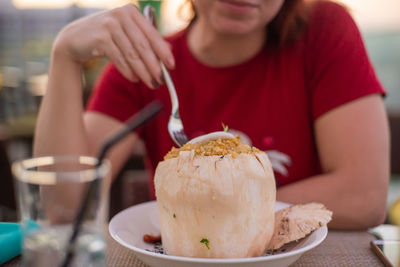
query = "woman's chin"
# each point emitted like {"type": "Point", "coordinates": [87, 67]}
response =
{"type": "Point", "coordinates": [235, 29]}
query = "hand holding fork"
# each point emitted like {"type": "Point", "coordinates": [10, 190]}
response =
{"type": "Point", "coordinates": [175, 126]}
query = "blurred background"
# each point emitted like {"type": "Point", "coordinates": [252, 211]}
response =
{"type": "Point", "coordinates": [28, 28]}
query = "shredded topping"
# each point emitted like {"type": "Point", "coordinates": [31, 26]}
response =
{"type": "Point", "coordinates": [218, 147]}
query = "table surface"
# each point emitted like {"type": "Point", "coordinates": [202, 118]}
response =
{"type": "Point", "coordinates": [340, 248]}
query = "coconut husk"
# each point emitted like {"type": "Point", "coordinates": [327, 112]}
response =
{"type": "Point", "coordinates": [296, 222]}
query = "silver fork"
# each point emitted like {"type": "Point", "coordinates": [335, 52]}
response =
{"type": "Point", "coordinates": [175, 126]}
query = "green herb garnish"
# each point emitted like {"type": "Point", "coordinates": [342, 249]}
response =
{"type": "Point", "coordinates": [205, 242]}
{"type": "Point", "coordinates": [174, 216]}
{"type": "Point", "coordinates": [225, 127]}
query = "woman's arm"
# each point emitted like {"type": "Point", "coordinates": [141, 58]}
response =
{"type": "Point", "coordinates": [127, 39]}
{"type": "Point", "coordinates": [121, 151]}
{"type": "Point", "coordinates": [353, 146]}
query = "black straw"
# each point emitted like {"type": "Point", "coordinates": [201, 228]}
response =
{"type": "Point", "coordinates": [131, 124]}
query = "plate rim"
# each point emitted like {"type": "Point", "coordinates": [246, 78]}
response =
{"type": "Point", "coordinates": [323, 231]}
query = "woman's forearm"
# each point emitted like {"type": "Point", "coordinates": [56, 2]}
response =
{"type": "Point", "coordinates": [60, 128]}
{"type": "Point", "coordinates": [355, 205]}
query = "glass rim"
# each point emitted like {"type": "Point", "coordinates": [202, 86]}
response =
{"type": "Point", "coordinates": [21, 169]}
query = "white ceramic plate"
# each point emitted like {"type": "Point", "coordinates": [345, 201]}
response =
{"type": "Point", "coordinates": [129, 226]}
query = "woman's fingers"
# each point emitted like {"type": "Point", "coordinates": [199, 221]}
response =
{"type": "Point", "coordinates": [125, 37]}
{"type": "Point", "coordinates": [112, 52]}
{"type": "Point", "coordinates": [135, 45]}
{"type": "Point", "coordinates": [143, 50]}
{"type": "Point", "coordinates": [158, 44]}
{"type": "Point", "coordinates": [132, 57]}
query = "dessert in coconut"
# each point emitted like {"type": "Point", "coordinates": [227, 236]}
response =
{"type": "Point", "coordinates": [215, 198]}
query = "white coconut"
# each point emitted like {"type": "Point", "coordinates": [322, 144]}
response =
{"type": "Point", "coordinates": [211, 136]}
{"type": "Point", "coordinates": [216, 206]}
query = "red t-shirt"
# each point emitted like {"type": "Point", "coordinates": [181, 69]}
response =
{"type": "Point", "coordinates": [273, 99]}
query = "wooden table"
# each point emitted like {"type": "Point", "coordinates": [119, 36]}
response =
{"type": "Point", "coordinates": [340, 248]}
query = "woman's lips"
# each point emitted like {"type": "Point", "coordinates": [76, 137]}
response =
{"type": "Point", "coordinates": [239, 6]}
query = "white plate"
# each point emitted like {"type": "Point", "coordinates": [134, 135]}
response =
{"type": "Point", "coordinates": [129, 226]}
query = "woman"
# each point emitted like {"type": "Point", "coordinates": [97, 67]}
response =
{"type": "Point", "coordinates": [292, 77]}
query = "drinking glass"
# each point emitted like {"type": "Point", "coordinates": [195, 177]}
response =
{"type": "Point", "coordinates": [50, 191]}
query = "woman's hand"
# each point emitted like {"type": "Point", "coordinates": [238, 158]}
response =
{"type": "Point", "coordinates": [125, 37]}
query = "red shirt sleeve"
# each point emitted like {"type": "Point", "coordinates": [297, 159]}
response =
{"type": "Point", "coordinates": [115, 96]}
{"type": "Point", "coordinates": [338, 67]}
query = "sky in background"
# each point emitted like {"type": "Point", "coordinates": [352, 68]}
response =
{"type": "Point", "coordinates": [371, 15]}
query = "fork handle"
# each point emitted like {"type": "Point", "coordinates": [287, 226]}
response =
{"type": "Point", "coordinates": [149, 13]}
{"type": "Point", "coordinates": [171, 87]}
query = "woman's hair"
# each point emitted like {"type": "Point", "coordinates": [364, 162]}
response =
{"type": "Point", "coordinates": [290, 22]}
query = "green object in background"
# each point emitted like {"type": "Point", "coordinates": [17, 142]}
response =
{"type": "Point", "coordinates": [156, 4]}
{"type": "Point", "coordinates": [11, 239]}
